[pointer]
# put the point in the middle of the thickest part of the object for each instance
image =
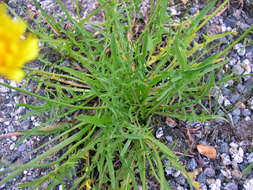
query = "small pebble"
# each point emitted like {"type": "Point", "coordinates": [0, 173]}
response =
{"type": "Point", "coordinates": [181, 180]}
{"type": "Point", "coordinates": [12, 146]}
{"type": "Point", "coordinates": [234, 98]}
{"type": "Point", "coordinates": [236, 112]}
{"type": "Point", "coordinates": [231, 186]}
{"type": "Point", "coordinates": [159, 133]}
{"type": "Point", "coordinates": [236, 119]}
{"type": "Point", "coordinates": [236, 174]}
{"type": "Point", "coordinates": [246, 112]}
{"type": "Point", "coordinates": [226, 159]}
{"type": "Point", "coordinates": [226, 173]}
{"type": "Point", "coordinates": [201, 178]}
{"type": "Point", "coordinates": [240, 49]}
{"type": "Point", "coordinates": [250, 157]}
{"type": "Point", "coordinates": [191, 164]}
{"type": "Point", "coordinates": [14, 138]}
{"type": "Point", "coordinates": [248, 184]}
{"type": "Point", "coordinates": [238, 156]}
{"type": "Point", "coordinates": [209, 172]}
{"type": "Point", "coordinates": [227, 102]}
{"type": "Point", "coordinates": [216, 185]}
{"type": "Point", "coordinates": [210, 181]}
{"type": "Point", "coordinates": [224, 148]}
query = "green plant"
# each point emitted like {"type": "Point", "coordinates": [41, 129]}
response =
{"type": "Point", "coordinates": [115, 83]}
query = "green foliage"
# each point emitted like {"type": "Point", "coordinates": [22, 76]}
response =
{"type": "Point", "coordinates": [115, 84]}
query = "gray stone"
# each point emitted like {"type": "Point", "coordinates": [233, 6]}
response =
{"type": "Point", "coordinates": [241, 88]}
{"type": "Point", "coordinates": [246, 112]}
{"type": "Point", "coordinates": [201, 178]}
{"type": "Point", "coordinates": [238, 69]}
{"type": "Point", "coordinates": [159, 133]}
{"type": "Point", "coordinates": [236, 112]}
{"type": "Point", "coordinates": [176, 173]}
{"type": "Point", "coordinates": [227, 102]}
{"type": "Point", "coordinates": [248, 184]}
{"type": "Point", "coordinates": [226, 91]}
{"type": "Point", "coordinates": [22, 147]}
{"type": "Point", "coordinates": [238, 156]}
{"type": "Point", "coordinates": [220, 99]}
{"type": "Point", "coordinates": [191, 164]}
{"type": "Point", "coordinates": [169, 139]}
{"type": "Point", "coordinates": [236, 119]}
{"type": "Point", "coordinates": [224, 148]}
{"type": "Point", "coordinates": [234, 98]}
{"type": "Point", "coordinates": [209, 172]}
{"type": "Point", "coordinates": [181, 180]}
{"type": "Point", "coordinates": [12, 146]}
{"type": "Point", "coordinates": [231, 186]}
{"type": "Point", "coordinates": [180, 187]}
{"type": "Point", "coordinates": [240, 49]}
{"type": "Point", "coordinates": [216, 185]}
{"type": "Point", "coordinates": [232, 62]}
{"type": "Point", "coordinates": [13, 138]}
{"type": "Point", "coordinates": [226, 159]}
{"type": "Point", "coordinates": [225, 173]}
{"type": "Point", "coordinates": [250, 157]}
{"type": "Point", "coordinates": [221, 113]}
{"type": "Point", "coordinates": [193, 10]}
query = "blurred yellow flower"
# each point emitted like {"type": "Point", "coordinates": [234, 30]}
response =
{"type": "Point", "coordinates": [15, 48]}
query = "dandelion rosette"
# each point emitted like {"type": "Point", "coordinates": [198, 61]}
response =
{"type": "Point", "coordinates": [15, 48]}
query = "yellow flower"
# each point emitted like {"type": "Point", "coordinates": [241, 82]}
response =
{"type": "Point", "coordinates": [15, 48]}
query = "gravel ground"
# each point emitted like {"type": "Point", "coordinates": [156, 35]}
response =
{"type": "Point", "coordinates": [233, 141]}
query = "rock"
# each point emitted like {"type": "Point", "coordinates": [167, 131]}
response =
{"type": "Point", "coordinates": [14, 138]}
{"type": "Point", "coordinates": [234, 98]}
{"type": "Point", "coordinates": [209, 172]}
{"type": "Point", "coordinates": [231, 186]}
{"type": "Point", "coordinates": [181, 180]}
{"type": "Point", "coordinates": [12, 146]}
{"type": "Point", "coordinates": [191, 164]}
{"type": "Point", "coordinates": [210, 181]}
{"type": "Point", "coordinates": [244, 26]}
{"type": "Point", "coordinates": [22, 147]}
{"type": "Point", "coordinates": [248, 184]}
{"type": "Point", "coordinates": [203, 186]}
{"type": "Point", "coordinates": [159, 133]}
{"type": "Point", "coordinates": [236, 112]}
{"type": "Point", "coordinates": [180, 187]}
{"type": "Point", "coordinates": [176, 173]}
{"type": "Point", "coordinates": [193, 10]}
{"type": "Point", "coordinates": [246, 112]}
{"type": "Point", "coordinates": [244, 130]}
{"type": "Point", "coordinates": [246, 66]}
{"type": "Point", "coordinates": [227, 102]}
{"type": "Point", "coordinates": [250, 157]}
{"type": "Point", "coordinates": [226, 91]}
{"type": "Point", "coordinates": [238, 156]}
{"type": "Point", "coordinates": [169, 139]}
{"type": "Point", "coordinates": [240, 49]}
{"type": "Point", "coordinates": [221, 113]}
{"type": "Point", "coordinates": [236, 174]}
{"type": "Point", "coordinates": [236, 119]}
{"type": "Point", "coordinates": [220, 99]}
{"type": "Point", "coordinates": [216, 185]}
{"type": "Point", "coordinates": [238, 69]}
{"type": "Point", "coordinates": [226, 159]}
{"type": "Point", "coordinates": [234, 145]}
{"type": "Point", "coordinates": [201, 178]}
{"type": "Point", "coordinates": [241, 88]}
{"type": "Point", "coordinates": [232, 62]}
{"type": "Point", "coordinates": [224, 148]}
{"type": "Point", "coordinates": [226, 173]}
